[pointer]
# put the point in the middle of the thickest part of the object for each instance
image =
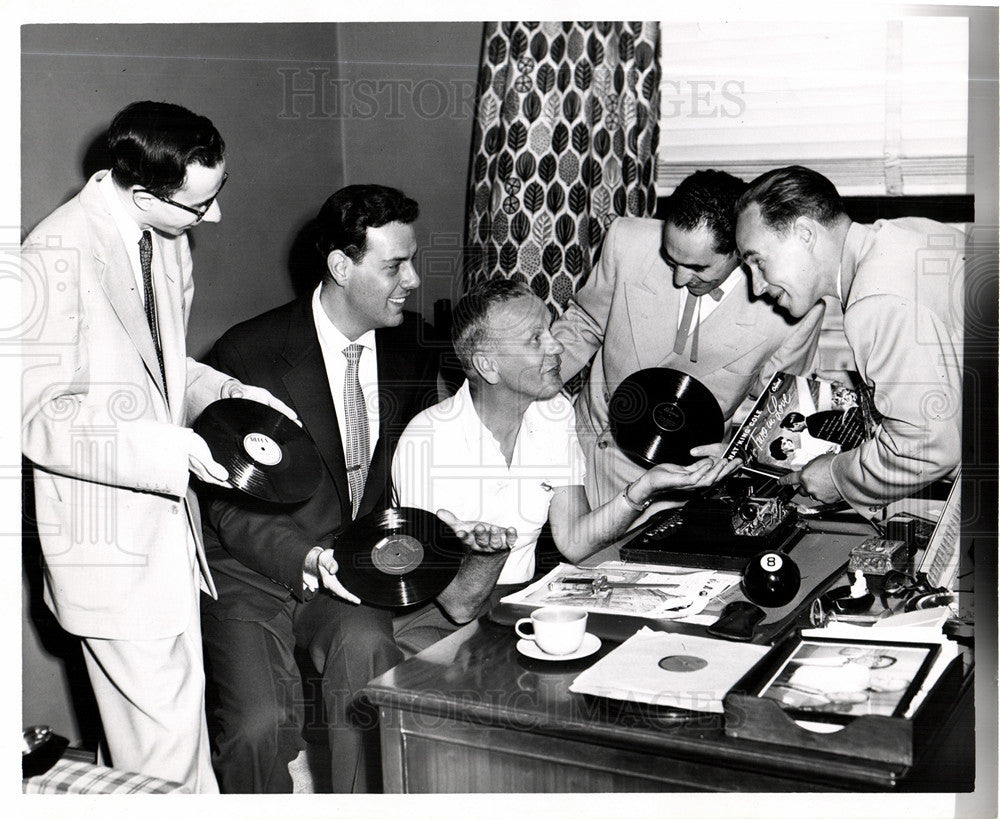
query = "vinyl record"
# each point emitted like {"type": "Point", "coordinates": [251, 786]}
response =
{"type": "Point", "coordinates": [657, 415]}
{"type": "Point", "coordinates": [268, 456]}
{"type": "Point", "coordinates": [397, 557]}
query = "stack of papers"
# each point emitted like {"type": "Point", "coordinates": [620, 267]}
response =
{"type": "Point", "coordinates": [676, 670]}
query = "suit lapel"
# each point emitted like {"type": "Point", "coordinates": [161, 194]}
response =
{"type": "Point", "coordinates": [170, 318]}
{"type": "Point", "coordinates": [118, 280]}
{"type": "Point", "coordinates": [653, 305]}
{"type": "Point", "coordinates": [390, 377]}
{"type": "Point", "coordinates": [309, 389]}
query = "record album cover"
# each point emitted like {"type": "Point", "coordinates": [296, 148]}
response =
{"type": "Point", "coordinates": [797, 419]}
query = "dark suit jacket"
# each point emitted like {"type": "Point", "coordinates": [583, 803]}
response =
{"type": "Point", "coordinates": [256, 550]}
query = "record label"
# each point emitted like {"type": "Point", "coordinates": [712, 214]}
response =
{"type": "Point", "coordinates": [658, 415]}
{"type": "Point", "coordinates": [397, 554]}
{"type": "Point", "coordinates": [397, 557]}
{"type": "Point", "coordinates": [262, 449]}
{"type": "Point", "coordinates": [668, 417]}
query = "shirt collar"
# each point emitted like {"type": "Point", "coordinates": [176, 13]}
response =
{"type": "Point", "coordinates": [127, 227]}
{"type": "Point", "coordinates": [328, 332]}
{"type": "Point", "coordinates": [857, 234]}
{"type": "Point", "coordinates": [732, 281]}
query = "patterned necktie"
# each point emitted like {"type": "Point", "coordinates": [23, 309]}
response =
{"type": "Point", "coordinates": [146, 262]}
{"type": "Point", "coordinates": [356, 422]}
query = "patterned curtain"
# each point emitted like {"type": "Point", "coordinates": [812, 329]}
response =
{"type": "Point", "coordinates": [565, 139]}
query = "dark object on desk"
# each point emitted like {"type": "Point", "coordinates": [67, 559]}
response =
{"type": "Point", "coordinates": [269, 457]}
{"type": "Point", "coordinates": [722, 530]}
{"type": "Point", "coordinates": [840, 600]}
{"type": "Point", "coordinates": [737, 622]}
{"type": "Point", "coordinates": [397, 557]}
{"type": "Point", "coordinates": [658, 415]}
{"type": "Point", "coordinates": [771, 579]}
{"type": "Point", "coordinates": [41, 750]}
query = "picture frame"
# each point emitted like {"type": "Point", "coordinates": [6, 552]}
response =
{"type": "Point", "coordinates": [834, 680]}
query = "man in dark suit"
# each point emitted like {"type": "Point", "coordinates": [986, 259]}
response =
{"type": "Point", "coordinates": [271, 562]}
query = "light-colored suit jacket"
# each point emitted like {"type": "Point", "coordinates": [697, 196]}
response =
{"type": "Point", "coordinates": [119, 527]}
{"type": "Point", "coordinates": [903, 282]}
{"type": "Point", "coordinates": [627, 313]}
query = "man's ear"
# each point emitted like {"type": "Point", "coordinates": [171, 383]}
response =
{"type": "Point", "coordinates": [806, 230]}
{"type": "Point", "coordinates": [486, 366]}
{"type": "Point", "coordinates": [142, 199]}
{"type": "Point", "coordinates": [338, 264]}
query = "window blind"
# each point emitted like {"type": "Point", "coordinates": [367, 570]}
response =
{"type": "Point", "coordinates": [880, 105]}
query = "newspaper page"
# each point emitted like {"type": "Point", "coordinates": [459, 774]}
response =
{"type": "Point", "coordinates": [668, 593]}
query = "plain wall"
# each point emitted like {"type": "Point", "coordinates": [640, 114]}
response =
{"type": "Point", "coordinates": [304, 109]}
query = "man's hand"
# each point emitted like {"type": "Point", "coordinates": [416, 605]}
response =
{"type": "Point", "coordinates": [478, 536]}
{"type": "Point", "coordinates": [841, 377]}
{"type": "Point", "coordinates": [234, 389]}
{"type": "Point", "coordinates": [202, 465]}
{"type": "Point", "coordinates": [328, 577]}
{"type": "Point", "coordinates": [815, 480]}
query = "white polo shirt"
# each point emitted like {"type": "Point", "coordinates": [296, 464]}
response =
{"type": "Point", "coordinates": [447, 459]}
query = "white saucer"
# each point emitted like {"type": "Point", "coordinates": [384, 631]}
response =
{"type": "Point", "coordinates": [590, 644]}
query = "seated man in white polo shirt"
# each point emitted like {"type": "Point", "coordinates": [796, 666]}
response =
{"type": "Point", "coordinates": [504, 449]}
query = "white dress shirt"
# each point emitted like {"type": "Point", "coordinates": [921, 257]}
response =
{"type": "Point", "coordinates": [332, 343]}
{"type": "Point", "coordinates": [447, 459]}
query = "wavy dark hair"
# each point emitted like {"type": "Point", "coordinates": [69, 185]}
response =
{"type": "Point", "coordinates": [785, 194]}
{"type": "Point", "coordinates": [152, 143]}
{"type": "Point", "coordinates": [343, 221]}
{"type": "Point", "coordinates": [707, 198]}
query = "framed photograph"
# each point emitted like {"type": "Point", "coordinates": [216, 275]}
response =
{"type": "Point", "coordinates": [834, 680]}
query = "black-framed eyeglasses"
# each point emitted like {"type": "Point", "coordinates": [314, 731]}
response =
{"type": "Point", "coordinates": [199, 212]}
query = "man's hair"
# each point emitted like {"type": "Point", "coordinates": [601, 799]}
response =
{"type": "Point", "coordinates": [792, 419]}
{"type": "Point", "coordinates": [785, 194]}
{"type": "Point", "coordinates": [469, 318]}
{"type": "Point", "coordinates": [152, 143]}
{"type": "Point", "coordinates": [707, 198]}
{"type": "Point", "coordinates": [343, 221]}
{"type": "Point", "coordinates": [776, 451]}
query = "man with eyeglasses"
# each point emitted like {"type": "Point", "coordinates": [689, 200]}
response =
{"type": "Point", "coordinates": [108, 395]}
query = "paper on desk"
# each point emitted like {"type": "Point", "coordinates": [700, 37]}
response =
{"type": "Point", "coordinates": [664, 668]}
{"type": "Point", "coordinates": [689, 592]}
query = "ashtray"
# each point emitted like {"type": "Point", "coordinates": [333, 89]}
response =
{"type": "Point", "coordinates": [840, 600]}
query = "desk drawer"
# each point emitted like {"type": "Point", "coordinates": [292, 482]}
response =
{"type": "Point", "coordinates": [429, 754]}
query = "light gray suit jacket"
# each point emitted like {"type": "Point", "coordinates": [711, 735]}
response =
{"type": "Point", "coordinates": [119, 528]}
{"type": "Point", "coordinates": [903, 281]}
{"type": "Point", "coordinates": [627, 313]}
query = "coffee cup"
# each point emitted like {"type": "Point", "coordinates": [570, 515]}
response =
{"type": "Point", "coordinates": [555, 630]}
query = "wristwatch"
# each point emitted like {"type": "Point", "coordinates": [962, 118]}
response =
{"type": "Point", "coordinates": [638, 507]}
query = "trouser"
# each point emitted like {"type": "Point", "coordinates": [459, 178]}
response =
{"type": "Point", "coordinates": [257, 704]}
{"type": "Point", "coordinates": [151, 695]}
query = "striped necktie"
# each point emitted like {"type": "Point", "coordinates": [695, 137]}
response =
{"type": "Point", "coordinates": [356, 423]}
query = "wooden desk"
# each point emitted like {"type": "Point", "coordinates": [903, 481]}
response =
{"type": "Point", "coordinates": [471, 715]}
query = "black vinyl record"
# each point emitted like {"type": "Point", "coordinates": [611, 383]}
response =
{"type": "Point", "coordinates": [657, 415]}
{"type": "Point", "coordinates": [268, 456]}
{"type": "Point", "coordinates": [397, 557]}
